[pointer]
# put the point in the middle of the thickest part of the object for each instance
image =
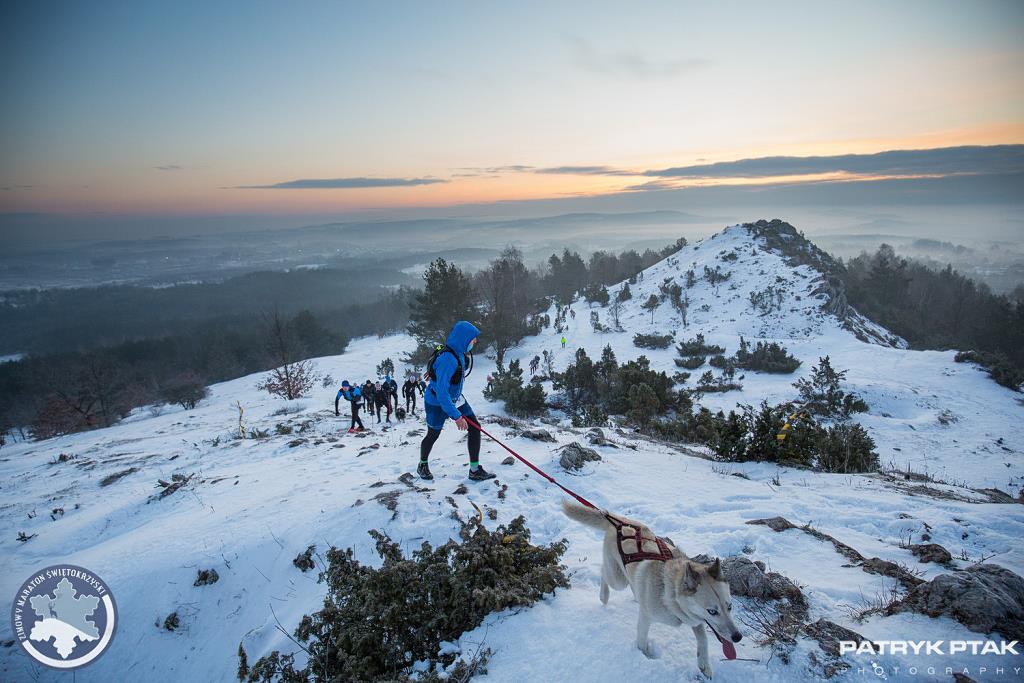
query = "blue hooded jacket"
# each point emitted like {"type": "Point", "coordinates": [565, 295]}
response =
{"type": "Point", "coordinates": [349, 393]}
{"type": "Point", "coordinates": [442, 392]}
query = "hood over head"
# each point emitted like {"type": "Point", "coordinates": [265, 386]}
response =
{"type": "Point", "coordinates": [460, 335]}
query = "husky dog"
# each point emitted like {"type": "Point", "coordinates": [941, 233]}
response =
{"type": "Point", "coordinates": [673, 591]}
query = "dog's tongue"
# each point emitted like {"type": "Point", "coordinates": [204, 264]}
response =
{"type": "Point", "coordinates": [727, 648]}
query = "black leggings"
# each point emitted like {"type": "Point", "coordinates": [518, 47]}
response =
{"type": "Point", "coordinates": [410, 398]}
{"type": "Point", "coordinates": [431, 437]}
{"type": "Point", "coordinates": [355, 417]}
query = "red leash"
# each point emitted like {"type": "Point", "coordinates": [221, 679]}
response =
{"type": "Point", "coordinates": [531, 465]}
{"type": "Point", "coordinates": [664, 553]}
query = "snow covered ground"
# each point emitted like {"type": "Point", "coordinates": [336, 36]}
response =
{"type": "Point", "coordinates": [254, 504]}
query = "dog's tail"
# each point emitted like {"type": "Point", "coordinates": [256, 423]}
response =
{"type": "Point", "coordinates": [589, 516]}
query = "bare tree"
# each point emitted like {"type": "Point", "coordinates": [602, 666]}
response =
{"type": "Point", "coordinates": [508, 291]}
{"type": "Point", "coordinates": [81, 396]}
{"type": "Point", "coordinates": [291, 378]}
{"type": "Point", "coordinates": [615, 309]}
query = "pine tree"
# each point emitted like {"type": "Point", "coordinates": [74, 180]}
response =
{"type": "Point", "coordinates": [821, 395]}
{"type": "Point", "coordinates": [567, 274]}
{"type": "Point", "coordinates": [651, 305]}
{"type": "Point", "coordinates": [386, 368]}
{"type": "Point", "coordinates": [643, 405]}
{"type": "Point", "coordinates": [691, 278]}
{"type": "Point", "coordinates": [607, 370]}
{"type": "Point", "coordinates": [889, 273]}
{"type": "Point", "coordinates": [579, 381]}
{"type": "Point", "coordinates": [447, 297]}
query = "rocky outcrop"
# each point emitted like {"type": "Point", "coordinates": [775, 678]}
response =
{"type": "Point", "coordinates": [984, 598]}
{"type": "Point", "coordinates": [828, 634]}
{"type": "Point", "coordinates": [782, 238]}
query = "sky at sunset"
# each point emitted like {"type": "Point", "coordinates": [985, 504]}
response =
{"type": "Point", "coordinates": [212, 109]}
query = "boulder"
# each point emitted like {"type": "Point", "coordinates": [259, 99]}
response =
{"type": "Point", "coordinates": [538, 435]}
{"type": "Point", "coordinates": [774, 523]}
{"type": "Point", "coordinates": [749, 579]}
{"type": "Point", "coordinates": [595, 437]}
{"type": "Point", "coordinates": [983, 597]}
{"type": "Point", "coordinates": [574, 455]}
{"type": "Point", "coordinates": [931, 552]}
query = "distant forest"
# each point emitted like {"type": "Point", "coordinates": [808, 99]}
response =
{"type": "Point", "coordinates": [936, 309]}
{"type": "Point", "coordinates": [56, 320]}
{"type": "Point", "coordinates": [98, 353]}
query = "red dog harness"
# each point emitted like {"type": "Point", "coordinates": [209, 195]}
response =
{"type": "Point", "coordinates": [636, 543]}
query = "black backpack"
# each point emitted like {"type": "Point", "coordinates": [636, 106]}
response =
{"type": "Point", "coordinates": [457, 376]}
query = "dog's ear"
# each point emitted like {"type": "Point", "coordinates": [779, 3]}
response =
{"type": "Point", "coordinates": [690, 578]}
{"type": "Point", "coordinates": [715, 570]}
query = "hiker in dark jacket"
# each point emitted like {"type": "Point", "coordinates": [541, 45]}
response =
{"type": "Point", "coordinates": [443, 392]}
{"type": "Point", "coordinates": [383, 397]}
{"type": "Point", "coordinates": [369, 397]}
{"type": "Point", "coordinates": [409, 392]}
{"type": "Point", "coordinates": [392, 388]}
{"type": "Point", "coordinates": [354, 396]}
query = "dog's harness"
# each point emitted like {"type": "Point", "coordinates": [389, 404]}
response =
{"type": "Point", "coordinates": [636, 543]}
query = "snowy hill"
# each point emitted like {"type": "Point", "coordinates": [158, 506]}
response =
{"type": "Point", "coordinates": [807, 299]}
{"type": "Point", "coordinates": [252, 505]}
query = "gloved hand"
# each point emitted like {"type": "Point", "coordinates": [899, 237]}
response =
{"type": "Point", "coordinates": [337, 414]}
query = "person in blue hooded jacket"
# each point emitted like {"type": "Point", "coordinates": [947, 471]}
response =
{"type": "Point", "coordinates": [443, 393]}
{"type": "Point", "coordinates": [354, 396]}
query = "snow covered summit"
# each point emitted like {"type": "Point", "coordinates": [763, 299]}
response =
{"type": "Point", "coordinates": [778, 285]}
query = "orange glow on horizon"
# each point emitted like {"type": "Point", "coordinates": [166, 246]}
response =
{"type": "Point", "coordinates": [210, 193]}
{"type": "Point", "coordinates": [995, 134]}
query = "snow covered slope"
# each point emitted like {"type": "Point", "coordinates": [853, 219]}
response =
{"type": "Point", "coordinates": [254, 504]}
{"type": "Point", "coordinates": [906, 390]}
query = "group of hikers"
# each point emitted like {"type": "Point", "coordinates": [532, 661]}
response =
{"type": "Point", "coordinates": [379, 396]}
{"type": "Point", "coordinates": [442, 398]}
